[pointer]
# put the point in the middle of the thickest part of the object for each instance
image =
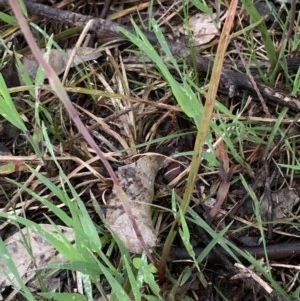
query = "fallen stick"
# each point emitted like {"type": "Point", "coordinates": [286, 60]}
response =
{"type": "Point", "coordinates": [277, 251]}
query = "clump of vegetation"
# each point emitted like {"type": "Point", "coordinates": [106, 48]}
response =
{"type": "Point", "coordinates": [206, 93]}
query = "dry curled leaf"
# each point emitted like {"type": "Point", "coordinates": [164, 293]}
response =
{"type": "Point", "coordinates": [58, 59]}
{"type": "Point", "coordinates": [137, 181]}
{"type": "Point", "coordinates": [204, 27]}
{"type": "Point", "coordinates": [283, 203]}
{"type": "Point", "coordinates": [28, 250]}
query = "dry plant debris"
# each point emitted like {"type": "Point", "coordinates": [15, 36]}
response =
{"type": "Point", "coordinates": [59, 59]}
{"type": "Point", "coordinates": [283, 202]}
{"type": "Point", "coordinates": [129, 108]}
{"type": "Point", "coordinates": [30, 251]}
{"type": "Point", "coordinates": [204, 27]}
{"type": "Point", "coordinates": [137, 181]}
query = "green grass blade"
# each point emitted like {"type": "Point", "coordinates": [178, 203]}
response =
{"type": "Point", "coordinates": [202, 6]}
{"type": "Point", "coordinates": [229, 247]}
{"type": "Point", "coordinates": [118, 292]}
{"type": "Point", "coordinates": [259, 220]}
{"type": "Point", "coordinates": [23, 74]}
{"type": "Point", "coordinates": [8, 109]}
{"type": "Point", "coordinates": [57, 192]}
{"type": "Point", "coordinates": [8, 19]}
{"type": "Point", "coordinates": [88, 289]}
{"type": "Point", "coordinates": [256, 17]}
{"type": "Point", "coordinates": [135, 284]}
{"type": "Point", "coordinates": [164, 45]}
{"type": "Point", "coordinates": [58, 240]}
{"type": "Point", "coordinates": [63, 296]}
{"type": "Point", "coordinates": [182, 92]}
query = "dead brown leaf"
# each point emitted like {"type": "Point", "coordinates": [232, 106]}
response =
{"type": "Point", "coordinates": [283, 203]}
{"type": "Point", "coordinates": [28, 250]}
{"type": "Point", "coordinates": [58, 59]}
{"type": "Point", "coordinates": [137, 181]}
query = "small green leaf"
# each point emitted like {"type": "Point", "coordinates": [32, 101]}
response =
{"type": "Point", "coordinates": [136, 261]}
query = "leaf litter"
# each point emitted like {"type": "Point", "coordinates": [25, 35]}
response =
{"type": "Point", "coordinates": [283, 202]}
{"type": "Point", "coordinates": [59, 59]}
{"type": "Point", "coordinates": [204, 27]}
{"type": "Point", "coordinates": [137, 181]}
{"type": "Point", "coordinates": [29, 251]}
{"type": "Point", "coordinates": [141, 194]}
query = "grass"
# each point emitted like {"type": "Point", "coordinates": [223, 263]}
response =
{"type": "Point", "coordinates": [55, 179]}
